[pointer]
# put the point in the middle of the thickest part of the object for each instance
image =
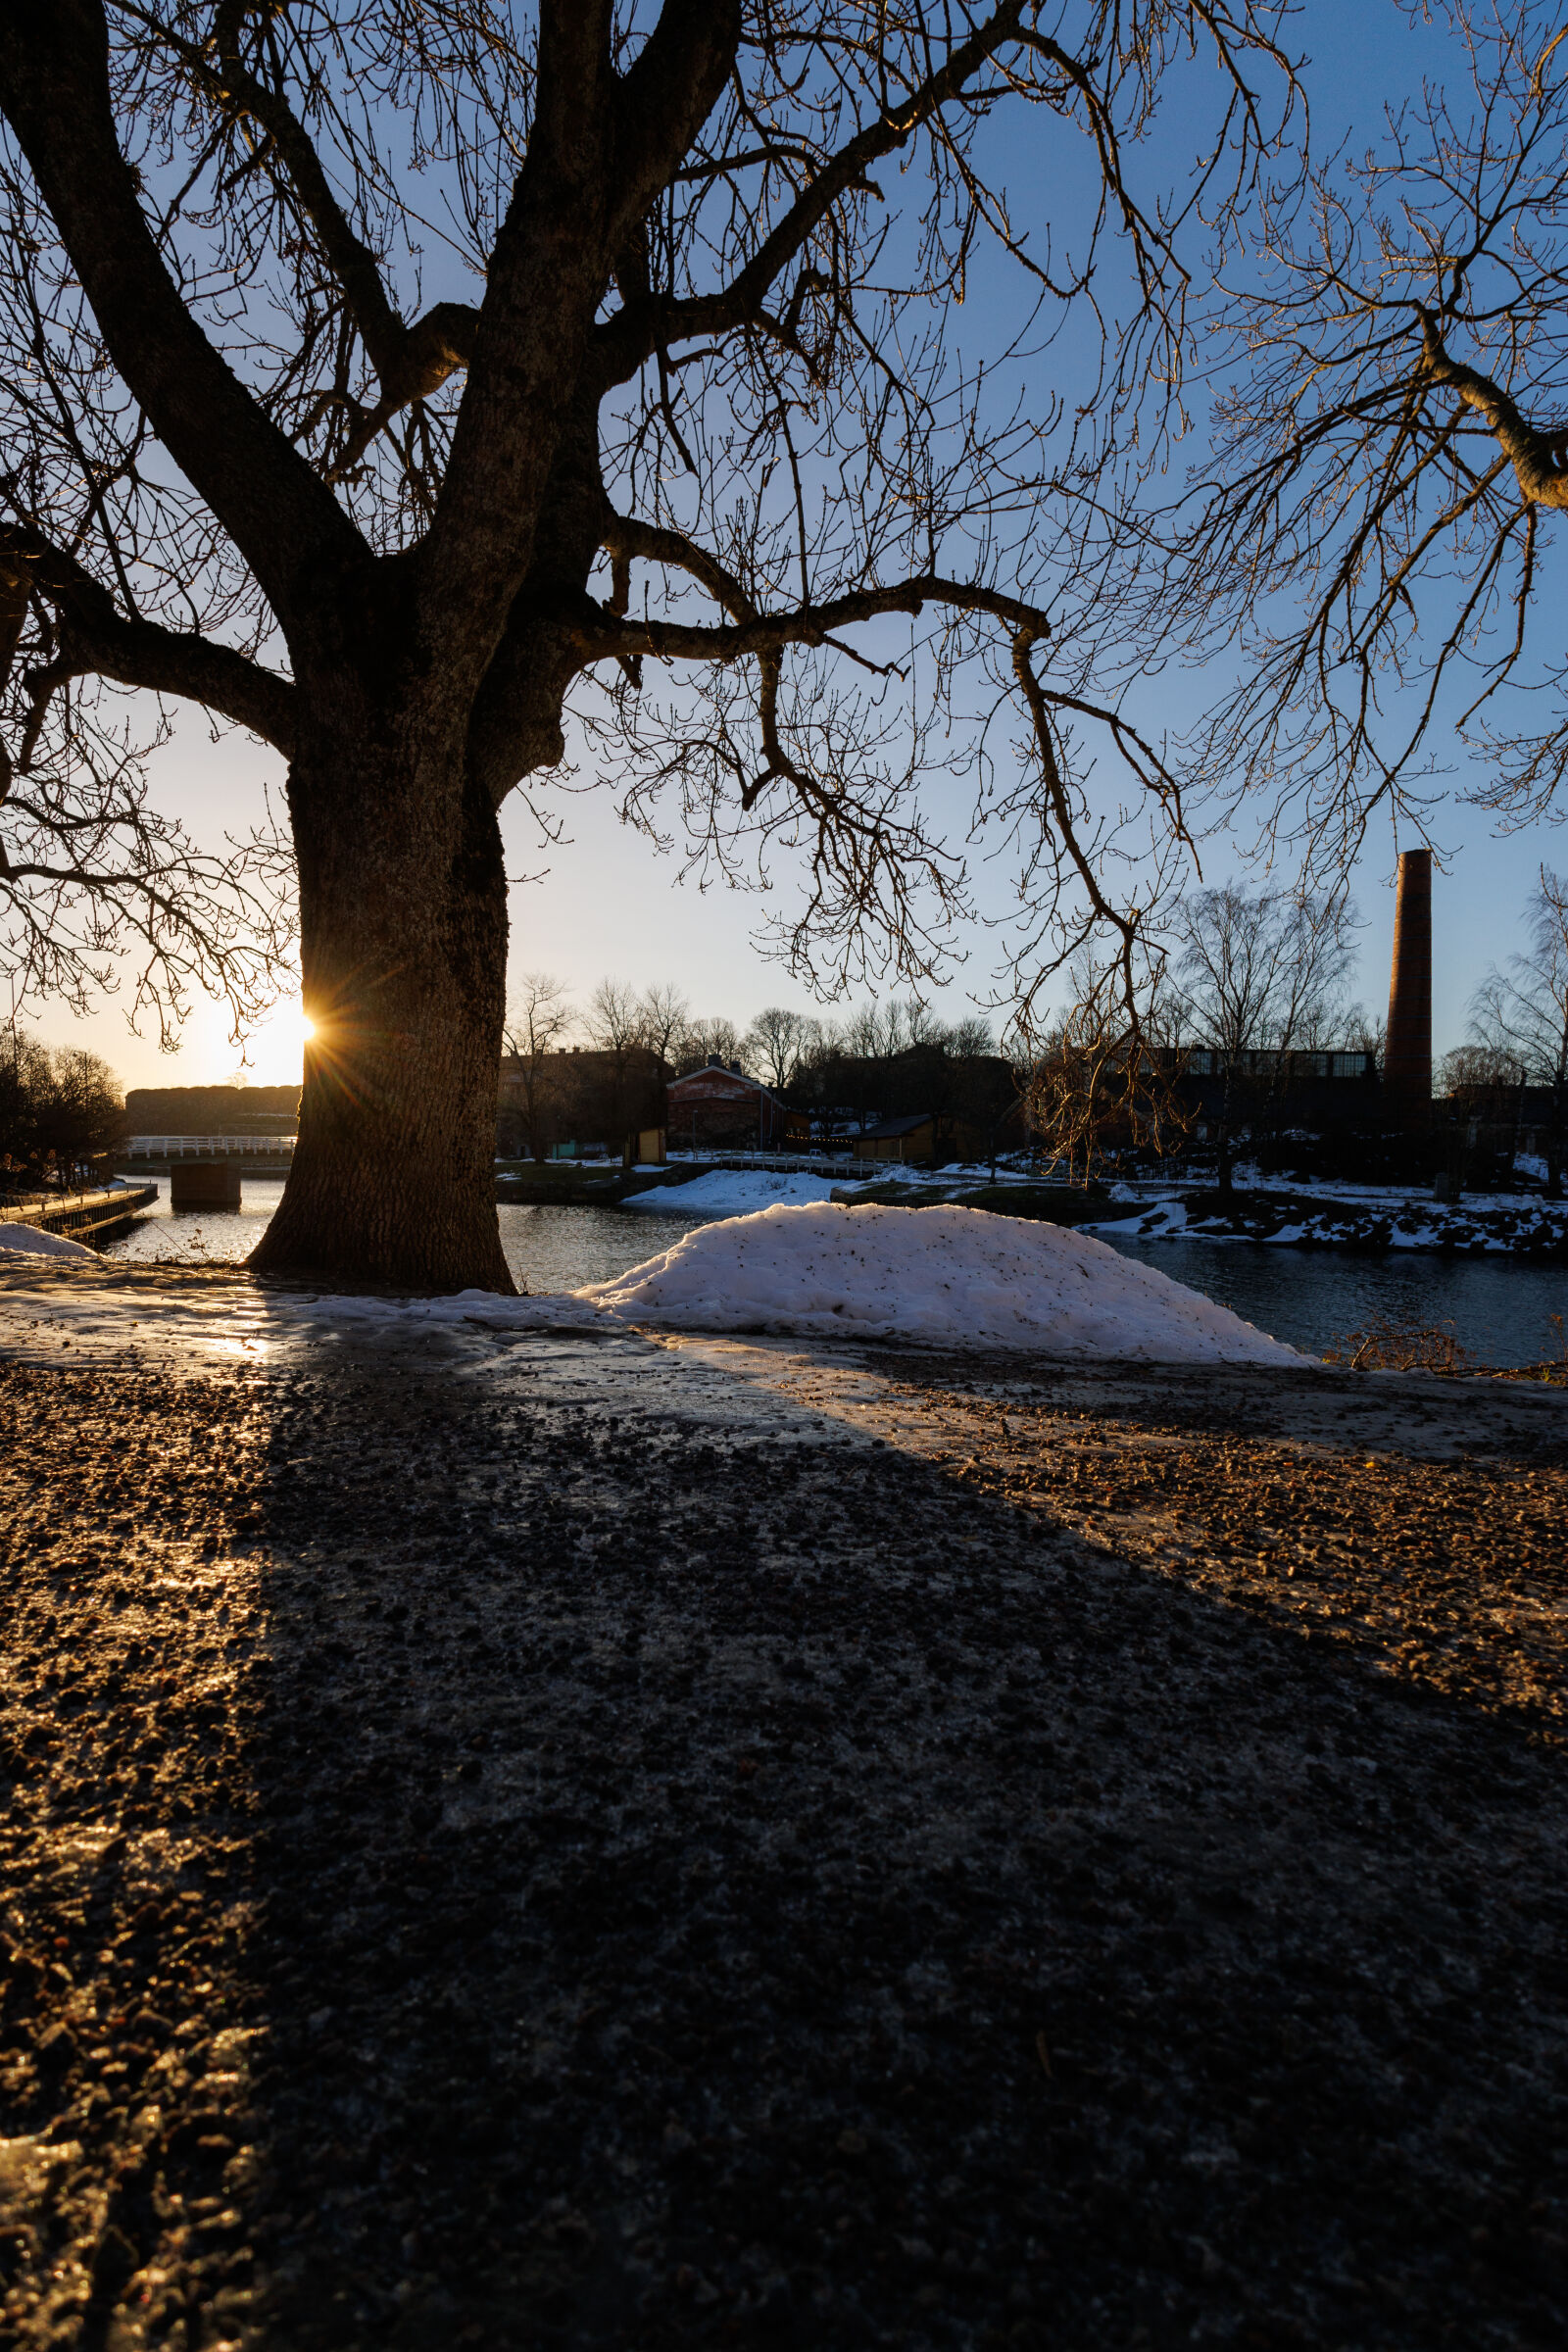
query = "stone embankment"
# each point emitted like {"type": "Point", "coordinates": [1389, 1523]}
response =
{"type": "Point", "coordinates": [87, 1217]}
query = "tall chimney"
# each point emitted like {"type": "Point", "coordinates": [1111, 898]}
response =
{"type": "Point", "coordinates": [1407, 1061]}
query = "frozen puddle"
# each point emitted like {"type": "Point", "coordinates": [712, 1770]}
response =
{"type": "Point", "coordinates": [202, 1316]}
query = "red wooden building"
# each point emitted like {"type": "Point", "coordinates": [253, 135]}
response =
{"type": "Point", "coordinates": [719, 1109]}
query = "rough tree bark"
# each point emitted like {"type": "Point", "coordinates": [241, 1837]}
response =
{"type": "Point", "coordinates": [403, 919]}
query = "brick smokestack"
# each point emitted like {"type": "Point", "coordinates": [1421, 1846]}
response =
{"type": "Point", "coordinates": [1407, 1062]}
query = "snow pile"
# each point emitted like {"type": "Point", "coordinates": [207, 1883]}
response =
{"type": "Point", "coordinates": [733, 1193]}
{"type": "Point", "coordinates": [31, 1239]}
{"type": "Point", "coordinates": [953, 1276]}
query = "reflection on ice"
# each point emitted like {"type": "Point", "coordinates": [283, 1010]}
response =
{"type": "Point", "coordinates": [195, 1315]}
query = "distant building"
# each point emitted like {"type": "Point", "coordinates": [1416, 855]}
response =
{"type": "Point", "coordinates": [721, 1108]}
{"type": "Point", "coordinates": [922, 1139]}
{"type": "Point", "coordinates": [1315, 1091]}
{"type": "Point", "coordinates": [213, 1109]}
{"type": "Point", "coordinates": [579, 1104]}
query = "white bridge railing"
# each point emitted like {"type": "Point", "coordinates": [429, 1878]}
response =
{"type": "Point", "coordinates": [208, 1147]}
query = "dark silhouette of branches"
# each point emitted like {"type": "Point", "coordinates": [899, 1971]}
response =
{"type": "Point", "coordinates": [223, 377]}
{"type": "Point", "coordinates": [1379, 530]}
{"type": "Point", "coordinates": [419, 384]}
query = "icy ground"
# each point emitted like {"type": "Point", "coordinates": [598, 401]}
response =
{"type": "Point", "coordinates": [684, 1842]}
{"type": "Point", "coordinates": [936, 1277]}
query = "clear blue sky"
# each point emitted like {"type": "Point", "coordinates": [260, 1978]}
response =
{"type": "Point", "coordinates": [608, 903]}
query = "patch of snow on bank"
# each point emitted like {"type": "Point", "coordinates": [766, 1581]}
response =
{"type": "Point", "coordinates": [959, 1277]}
{"type": "Point", "coordinates": [1158, 1224]}
{"type": "Point", "coordinates": [32, 1240]}
{"type": "Point", "coordinates": [733, 1193]}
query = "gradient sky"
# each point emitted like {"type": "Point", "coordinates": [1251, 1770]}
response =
{"type": "Point", "coordinates": [607, 903]}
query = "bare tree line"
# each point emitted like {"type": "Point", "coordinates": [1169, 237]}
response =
{"type": "Point", "coordinates": [1243, 976]}
{"type": "Point", "coordinates": [60, 1105]}
{"type": "Point", "coordinates": [777, 1045]}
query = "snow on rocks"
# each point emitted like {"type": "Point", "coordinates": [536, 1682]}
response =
{"type": "Point", "coordinates": [32, 1240]}
{"type": "Point", "coordinates": [1158, 1224]}
{"type": "Point", "coordinates": [959, 1277]}
{"type": "Point", "coordinates": [733, 1193]}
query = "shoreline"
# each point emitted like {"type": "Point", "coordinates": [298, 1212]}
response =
{"type": "Point", "coordinates": [1535, 1234]}
{"type": "Point", "coordinates": [1369, 1222]}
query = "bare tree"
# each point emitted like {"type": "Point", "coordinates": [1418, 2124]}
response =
{"type": "Point", "coordinates": [1520, 1015]}
{"type": "Point", "coordinates": [1468, 1070]}
{"type": "Point", "coordinates": [615, 1024]}
{"type": "Point", "coordinates": [665, 1019]}
{"type": "Point", "coordinates": [1095, 1083]}
{"type": "Point", "coordinates": [708, 1040]}
{"type": "Point", "coordinates": [1254, 977]}
{"type": "Point", "coordinates": [971, 1037]}
{"type": "Point", "coordinates": [539, 1015]}
{"type": "Point", "coordinates": [777, 1042]}
{"type": "Point", "coordinates": [696, 397]}
{"type": "Point", "coordinates": [1374, 532]}
{"type": "Point", "coordinates": [60, 1106]}
{"type": "Point", "coordinates": [614, 1020]}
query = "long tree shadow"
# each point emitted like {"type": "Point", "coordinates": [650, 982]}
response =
{"type": "Point", "coordinates": [713, 1883]}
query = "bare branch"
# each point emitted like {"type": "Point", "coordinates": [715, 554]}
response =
{"type": "Point", "coordinates": [102, 642]}
{"type": "Point", "coordinates": [54, 88]}
{"type": "Point", "coordinates": [1540, 460]}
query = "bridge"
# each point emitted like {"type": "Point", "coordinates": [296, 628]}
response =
{"type": "Point", "coordinates": [254, 1154]}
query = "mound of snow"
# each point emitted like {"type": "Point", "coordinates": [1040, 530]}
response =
{"type": "Point", "coordinates": [30, 1240]}
{"type": "Point", "coordinates": [954, 1276]}
{"type": "Point", "coordinates": [733, 1193]}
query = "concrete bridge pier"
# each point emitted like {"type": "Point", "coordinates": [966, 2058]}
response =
{"type": "Point", "coordinates": [203, 1184]}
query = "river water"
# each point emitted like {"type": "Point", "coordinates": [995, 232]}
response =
{"type": "Point", "coordinates": [1500, 1311]}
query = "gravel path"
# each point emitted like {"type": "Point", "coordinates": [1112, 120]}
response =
{"type": "Point", "coordinates": [637, 1842]}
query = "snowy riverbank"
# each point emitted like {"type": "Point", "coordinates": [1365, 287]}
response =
{"type": "Point", "coordinates": [1512, 1226]}
{"type": "Point", "coordinates": [939, 1277]}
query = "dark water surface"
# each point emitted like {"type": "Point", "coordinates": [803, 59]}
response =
{"type": "Point", "coordinates": [1501, 1311]}
{"type": "Point", "coordinates": [548, 1248]}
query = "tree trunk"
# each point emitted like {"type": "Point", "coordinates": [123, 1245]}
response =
{"type": "Point", "coordinates": [403, 938]}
